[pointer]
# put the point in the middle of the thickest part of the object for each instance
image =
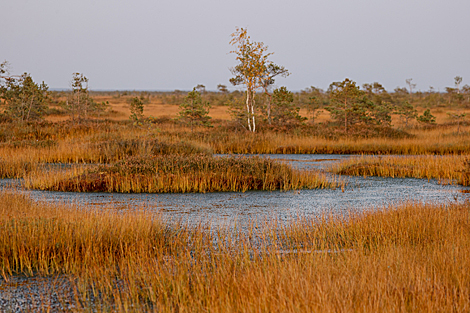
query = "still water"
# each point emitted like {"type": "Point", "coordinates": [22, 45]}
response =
{"type": "Point", "coordinates": [230, 208]}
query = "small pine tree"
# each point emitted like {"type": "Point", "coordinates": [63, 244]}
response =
{"type": "Point", "coordinates": [427, 118]}
{"type": "Point", "coordinates": [381, 115]}
{"type": "Point", "coordinates": [24, 99]}
{"type": "Point", "coordinates": [79, 104]}
{"type": "Point", "coordinates": [284, 111]}
{"type": "Point", "coordinates": [137, 110]}
{"type": "Point", "coordinates": [194, 111]}
{"type": "Point", "coordinates": [458, 118]}
{"type": "Point", "coordinates": [407, 112]}
{"type": "Point", "coordinates": [349, 105]}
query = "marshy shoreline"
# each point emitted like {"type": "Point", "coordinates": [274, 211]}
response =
{"type": "Point", "coordinates": [410, 256]}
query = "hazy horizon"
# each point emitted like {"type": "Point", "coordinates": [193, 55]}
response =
{"type": "Point", "coordinates": [171, 45]}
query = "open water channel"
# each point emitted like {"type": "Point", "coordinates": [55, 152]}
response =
{"type": "Point", "coordinates": [230, 208]}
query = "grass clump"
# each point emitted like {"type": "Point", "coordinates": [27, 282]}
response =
{"type": "Point", "coordinates": [181, 173]}
{"type": "Point", "coordinates": [118, 149]}
{"type": "Point", "coordinates": [465, 178]}
{"type": "Point", "coordinates": [16, 168]}
{"type": "Point", "coordinates": [447, 169]}
{"type": "Point", "coordinates": [410, 257]}
{"type": "Point", "coordinates": [44, 240]}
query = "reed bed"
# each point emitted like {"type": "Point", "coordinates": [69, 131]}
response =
{"type": "Point", "coordinates": [17, 162]}
{"type": "Point", "coordinates": [181, 173]}
{"type": "Point", "coordinates": [410, 257]}
{"type": "Point", "coordinates": [104, 141]}
{"type": "Point", "coordinates": [434, 141]}
{"type": "Point", "coordinates": [16, 167]}
{"type": "Point", "coordinates": [447, 169]}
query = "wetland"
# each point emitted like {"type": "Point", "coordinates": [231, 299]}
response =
{"type": "Point", "coordinates": [108, 215]}
{"type": "Point", "coordinates": [352, 193]}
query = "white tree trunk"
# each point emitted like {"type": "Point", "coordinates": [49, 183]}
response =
{"type": "Point", "coordinates": [253, 116]}
{"type": "Point", "coordinates": [248, 105]}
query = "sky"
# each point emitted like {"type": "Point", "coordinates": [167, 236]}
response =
{"type": "Point", "coordinates": [178, 44]}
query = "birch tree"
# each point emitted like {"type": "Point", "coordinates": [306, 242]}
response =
{"type": "Point", "coordinates": [251, 71]}
{"type": "Point", "coordinates": [458, 81]}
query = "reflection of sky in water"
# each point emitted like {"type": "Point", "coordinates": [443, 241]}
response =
{"type": "Point", "coordinates": [226, 207]}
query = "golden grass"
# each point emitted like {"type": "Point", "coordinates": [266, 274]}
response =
{"type": "Point", "coordinates": [16, 167]}
{"type": "Point", "coordinates": [447, 169]}
{"type": "Point", "coordinates": [93, 143]}
{"type": "Point", "coordinates": [406, 258]}
{"type": "Point", "coordinates": [48, 239]}
{"type": "Point", "coordinates": [16, 162]}
{"type": "Point", "coordinates": [180, 173]}
{"type": "Point", "coordinates": [431, 141]}
{"type": "Point", "coordinates": [23, 149]}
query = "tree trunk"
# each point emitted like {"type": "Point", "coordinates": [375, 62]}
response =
{"type": "Point", "coordinates": [78, 107]}
{"type": "Point", "coordinates": [253, 114]}
{"type": "Point", "coordinates": [248, 108]}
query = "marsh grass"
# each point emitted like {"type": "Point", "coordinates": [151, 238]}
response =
{"type": "Point", "coordinates": [182, 173]}
{"type": "Point", "coordinates": [447, 169]}
{"type": "Point", "coordinates": [22, 149]}
{"type": "Point", "coordinates": [410, 257]}
{"type": "Point", "coordinates": [16, 168]}
{"type": "Point", "coordinates": [105, 141]}
{"type": "Point", "coordinates": [118, 149]}
{"type": "Point", "coordinates": [432, 141]}
{"type": "Point", "coordinates": [17, 162]}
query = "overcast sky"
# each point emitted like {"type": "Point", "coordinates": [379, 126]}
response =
{"type": "Point", "coordinates": [177, 44]}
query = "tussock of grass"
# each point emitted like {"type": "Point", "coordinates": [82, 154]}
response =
{"type": "Point", "coordinates": [118, 149]}
{"type": "Point", "coordinates": [444, 168]}
{"type": "Point", "coordinates": [405, 258]}
{"type": "Point", "coordinates": [182, 173]}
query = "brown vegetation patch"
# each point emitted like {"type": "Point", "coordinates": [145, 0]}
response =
{"type": "Point", "coordinates": [447, 169]}
{"type": "Point", "coordinates": [182, 173]}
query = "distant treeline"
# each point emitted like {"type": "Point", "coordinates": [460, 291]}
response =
{"type": "Point", "coordinates": [354, 110]}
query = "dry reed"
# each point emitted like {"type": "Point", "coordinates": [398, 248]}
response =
{"type": "Point", "coordinates": [433, 141]}
{"type": "Point", "coordinates": [181, 173]}
{"type": "Point", "coordinates": [111, 141]}
{"type": "Point", "coordinates": [447, 169]}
